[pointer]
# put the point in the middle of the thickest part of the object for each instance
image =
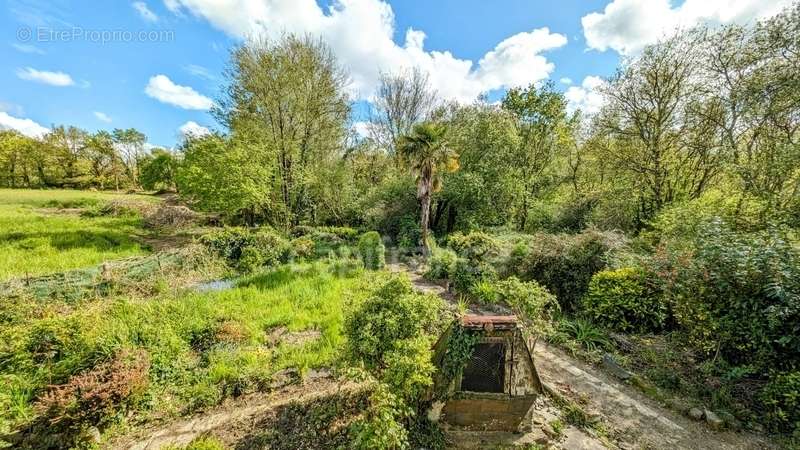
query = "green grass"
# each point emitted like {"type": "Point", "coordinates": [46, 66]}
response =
{"type": "Point", "coordinates": [35, 239]}
{"type": "Point", "coordinates": [202, 347]}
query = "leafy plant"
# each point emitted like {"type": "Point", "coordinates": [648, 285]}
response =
{"type": "Point", "coordinates": [372, 250]}
{"type": "Point", "coordinates": [623, 299]}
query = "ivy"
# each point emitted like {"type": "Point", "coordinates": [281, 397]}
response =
{"type": "Point", "coordinates": [460, 346]}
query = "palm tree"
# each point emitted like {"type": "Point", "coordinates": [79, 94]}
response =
{"type": "Point", "coordinates": [425, 149]}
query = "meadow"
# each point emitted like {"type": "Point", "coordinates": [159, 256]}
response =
{"type": "Point", "coordinates": [43, 231]}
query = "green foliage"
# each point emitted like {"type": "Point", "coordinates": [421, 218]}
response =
{"type": "Point", "coordinates": [408, 233]}
{"type": "Point", "coordinates": [738, 292]}
{"type": "Point", "coordinates": [529, 299]}
{"type": "Point", "coordinates": [781, 397]}
{"type": "Point", "coordinates": [460, 346]}
{"type": "Point", "coordinates": [371, 250]}
{"type": "Point", "coordinates": [382, 427]}
{"type": "Point", "coordinates": [247, 249]}
{"type": "Point", "coordinates": [441, 264]}
{"type": "Point", "coordinates": [586, 334]}
{"type": "Point", "coordinates": [158, 170]}
{"type": "Point", "coordinates": [563, 263]}
{"type": "Point", "coordinates": [623, 299]}
{"type": "Point", "coordinates": [303, 247]}
{"type": "Point", "coordinates": [390, 334]}
{"type": "Point", "coordinates": [201, 443]}
{"type": "Point", "coordinates": [394, 313]}
{"type": "Point", "coordinates": [475, 246]}
{"type": "Point", "coordinates": [467, 274]}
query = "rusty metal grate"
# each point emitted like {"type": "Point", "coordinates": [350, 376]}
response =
{"type": "Point", "coordinates": [485, 371]}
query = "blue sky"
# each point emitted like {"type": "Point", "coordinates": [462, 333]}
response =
{"type": "Point", "coordinates": [166, 70]}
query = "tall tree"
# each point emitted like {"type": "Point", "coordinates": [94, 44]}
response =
{"type": "Point", "coordinates": [428, 154]}
{"type": "Point", "coordinates": [542, 126]}
{"type": "Point", "coordinates": [287, 100]}
{"type": "Point", "coordinates": [402, 100]}
{"type": "Point", "coordinates": [130, 144]}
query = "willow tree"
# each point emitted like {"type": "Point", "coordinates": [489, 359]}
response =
{"type": "Point", "coordinates": [426, 151]}
{"type": "Point", "coordinates": [286, 101]}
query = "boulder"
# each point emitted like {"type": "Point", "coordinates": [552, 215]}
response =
{"type": "Point", "coordinates": [713, 420]}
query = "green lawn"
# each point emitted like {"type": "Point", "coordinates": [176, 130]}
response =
{"type": "Point", "coordinates": [37, 238]}
{"type": "Point", "coordinates": [202, 347]}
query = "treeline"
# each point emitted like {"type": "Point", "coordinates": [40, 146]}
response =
{"type": "Point", "coordinates": [69, 157]}
{"type": "Point", "coordinates": [703, 113]}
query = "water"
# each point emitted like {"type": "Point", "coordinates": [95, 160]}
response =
{"type": "Point", "coordinates": [214, 286]}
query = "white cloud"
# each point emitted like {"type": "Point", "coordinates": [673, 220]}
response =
{"type": "Point", "coordinates": [27, 48]}
{"type": "Point", "coordinates": [103, 117]}
{"type": "Point", "coordinates": [361, 31]}
{"type": "Point", "coordinates": [145, 12]}
{"type": "Point", "coordinates": [566, 81]}
{"type": "Point", "coordinates": [193, 129]}
{"type": "Point", "coordinates": [626, 26]}
{"type": "Point", "coordinates": [42, 76]}
{"type": "Point", "coordinates": [161, 88]}
{"type": "Point", "coordinates": [25, 126]}
{"type": "Point", "coordinates": [585, 97]}
{"type": "Point", "coordinates": [200, 71]}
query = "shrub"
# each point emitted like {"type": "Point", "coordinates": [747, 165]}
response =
{"type": "Point", "coordinates": [393, 313]}
{"type": "Point", "coordinates": [563, 263]}
{"type": "Point", "coordinates": [200, 443]}
{"type": "Point", "coordinates": [622, 299]}
{"type": "Point", "coordinates": [466, 274]}
{"type": "Point", "coordinates": [228, 242]}
{"type": "Point", "coordinates": [585, 333]}
{"type": "Point", "coordinates": [303, 247]}
{"type": "Point", "coordinates": [738, 292]}
{"type": "Point", "coordinates": [528, 298]}
{"type": "Point", "coordinates": [475, 246]}
{"type": "Point", "coordinates": [441, 264]}
{"type": "Point", "coordinates": [409, 233]}
{"type": "Point", "coordinates": [249, 250]}
{"type": "Point", "coordinates": [90, 396]}
{"type": "Point", "coordinates": [343, 233]}
{"type": "Point", "coordinates": [781, 397]}
{"type": "Point", "coordinates": [371, 249]}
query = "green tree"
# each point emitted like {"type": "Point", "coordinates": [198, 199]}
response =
{"type": "Point", "coordinates": [129, 144]}
{"type": "Point", "coordinates": [543, 129]}
{"type": "Point", "coordinates": [158, 170]}
{"type": "Point", "coordinates": [428, 154]}
{"type": "Point", "coordinates": [286, 100]}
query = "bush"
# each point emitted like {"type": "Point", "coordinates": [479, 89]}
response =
{"type": "Point", "coordinates": [409, 233]}
{"type": "Point", "coordinates": [466, 274]}
{"type": "Point", "coordinates": [303, 247]}
{"type": "Point", "coordinates": [738, 293]}
{"type": "Point", "coordinates": [371, 249]}
{"type": "Point", "coordinates": [393, 313]}
{"type": "Point", "coordinates": [781, 397]}
{"type": "Point", "coordinates": [343, 233]}
{"type": "Point", "coordinates": [563, 263]}
{"type": "Point", "coordinates": [249, 250]}
{"type": "Point", "coordinates": [441, 264]}
{"type": "Point", "coordinates": [622, 299]}
{"type": "Point", "coordinates": [529, 299]}
{"type": "Point", "coordinates": [91, 397]}
{"type": "Point", "coordinates": [475, 246]}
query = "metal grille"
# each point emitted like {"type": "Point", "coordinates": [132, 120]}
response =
{"type": "Point", "coordinates": [485, 371]}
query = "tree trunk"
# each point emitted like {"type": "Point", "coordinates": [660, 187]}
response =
{"type": "Point", "coordinates": [425, 201]}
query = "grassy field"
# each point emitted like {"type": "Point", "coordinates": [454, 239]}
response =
{"type": "Point", "coordinates": [200, 347]}
{"type": "Point", "coordinates": [42, 232]}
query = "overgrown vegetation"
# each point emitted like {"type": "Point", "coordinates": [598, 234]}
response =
{"type": "Point", "coordinates": [662, 229]}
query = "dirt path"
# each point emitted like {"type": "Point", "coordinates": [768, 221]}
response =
{"type": "Point", "coordinates": [633, 421]}
{"type": "Point", "coordinates": [225, 419]}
